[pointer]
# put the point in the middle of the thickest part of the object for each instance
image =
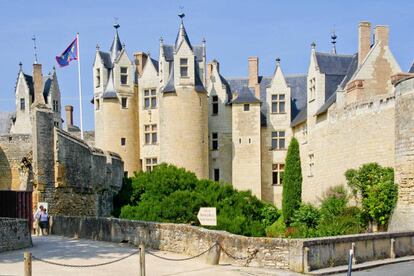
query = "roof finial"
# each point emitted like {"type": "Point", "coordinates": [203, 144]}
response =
{"type": "Point", "coordinates": [34, 48]}
{"type": "Point", "coordinates": [278, 61]}
{"type": "Point", "coordinates": [97, 47]}
{"type": "Point", "coordinates": [116, 24]}
{"type": "Point", "coordinates": [333, 41]}
{"type": "Point", "coordinates": [181, 14]}
{"type": "Point", "coordinates": [313, 45]}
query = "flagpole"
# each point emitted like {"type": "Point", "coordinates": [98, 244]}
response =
{"type": "Point", "coordinates": [80, 85]}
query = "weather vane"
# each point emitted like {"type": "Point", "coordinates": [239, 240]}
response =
{"type": "Point", "coordinates": [116, 24]}
{"type": "Point", "coordinates": [181, 14]}
{"type": "Point", "coordinates": [34, 48]}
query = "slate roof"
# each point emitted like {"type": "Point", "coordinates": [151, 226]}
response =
{"type": "Point", "coordinates": [110, 92]}
{"type": "Point", "coordinates": [333, 64]}
{"type": "Point", "coordinates": [411, 69]}
{"type": "Point", "coordinates": [298, 91]}
{"type": "Point", "coordinates": [300, 118]}
{"type": "Point", "coordinates": [181, 37]}
{"type": "Point", "coordinates": [47, 84]}
{"type": "Point", "coordinates": [331, 98]}
{"type": "Point", "coordinates": [245, 95]}
{"type": "Point", "coordinates": [169, 87]}
{"type": "Point", "coordinates": [169, 52]}
{"type": "Point", "coordinates": [116, 46]}
{"type": "Point", "coordinates": [106, 59]}
{"type": "Point", "coordinates": [155, 63]}
{"type": "Point", "coordinates": [6, 122]}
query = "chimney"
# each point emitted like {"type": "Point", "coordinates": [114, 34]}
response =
{"type": "Point", "coordinates": [381, 34]}
{"type": "Point", "coordinates": [38, 84]}
{"type": "Point", "coordinates": [364, 40]}
{"type": "Point", "coordinates": [253, 71]}
{"type": "Point", "coordinates": [69, 115]}
{"type": "Point", "coordinates": [140, 60]}
{"type": "Point", "coordinates": [254, 75]}
{"type": "Point", "coordinates": [210, 67]}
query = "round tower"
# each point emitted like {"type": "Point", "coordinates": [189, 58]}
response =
{"type": "Point", "coordinates": [183, 108]}
{"type": "Point", "coordinates": [116, 105]}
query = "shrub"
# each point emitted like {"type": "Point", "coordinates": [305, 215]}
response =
{"type": "Point", "coordinates": [170, 194]}
{"type": "Point", "coordinates": [373, 185]}
{"type": "Point", "coordinates": [292, 182]}
{"type": "Point", "coordinates": [277, 229]}
{"type": "Point", "coordinates": [123, 197]}
{"type": "Point", "coordinates": [305, 221]}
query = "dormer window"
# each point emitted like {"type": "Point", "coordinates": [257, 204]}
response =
{"type": "Point", "coordinates": [214, 103]}
{"type": "Point", "coordinates": [98, 77]}
{"type": "Point", "coordinates": [124, 75]}
{"type": "Point", "coordinates": [278, 103]}
{"type": "Point", "coordinates": [55, 106]}
{"type": "Point", "coordinates": [22, 104]}
{"type": "Point", "coordinates": [97, 104]}
{"type": "Point", "coordinates": [184, 67]}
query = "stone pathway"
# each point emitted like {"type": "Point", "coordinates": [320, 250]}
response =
{"type": "Point", "coordinates": [82, 252]}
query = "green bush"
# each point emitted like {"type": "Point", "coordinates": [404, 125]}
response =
{"type": "Point", "coordinates": [123, 197]}
{"type": "Point", "coordinates": [277, 229]}
{"type": "Point", "coordinates": [171, 194]}
{"type": "Point", "coordinates": [374, 187]}
{"type": "Point", "coordinates": [305, 221]}
{"type": "Point", "coordinates": [292, 182]}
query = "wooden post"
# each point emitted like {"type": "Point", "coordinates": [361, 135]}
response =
{"type": "Point", "coordinates": [142, 259]}
{"type": "Point", "coordinates": [306, 267]}
{"type": "Point", "coordinates": [27, 263]}
{"type": "Point", "coordinates": [392, 249]}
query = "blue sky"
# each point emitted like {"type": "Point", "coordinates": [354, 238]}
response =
{"type": "Point", "coordinates": [234, 30]}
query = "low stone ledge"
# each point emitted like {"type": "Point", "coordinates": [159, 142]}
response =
{"type": "Point", "coordinates": [14, 234]}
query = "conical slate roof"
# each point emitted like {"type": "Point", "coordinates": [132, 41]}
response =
{"type": "Point", "coordinates": [181, 37]}
{"type": "Point", "coordinates": [110, 92]}
{"type": "Point", "coordinates": [116, 46]}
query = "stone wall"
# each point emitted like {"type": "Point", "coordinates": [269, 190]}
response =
{"type": "Point", "coordinates": [402, 218]}
{"type": "Point", "coordinates": [271, 252]}
{"type": "Point", "coordinates": [14, 234]}
{"type": "Point", "coordinates": [15, 159]}
{"type": "Point", "coordinates": [182, 238]}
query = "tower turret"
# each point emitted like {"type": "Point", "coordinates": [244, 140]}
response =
{"type": "Point", "coordinates": [183, 106]}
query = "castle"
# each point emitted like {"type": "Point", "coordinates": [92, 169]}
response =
{"type": "Point", "coordinates": [181, 110]}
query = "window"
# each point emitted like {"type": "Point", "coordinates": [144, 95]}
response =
{"type": "Point", "coordinates": [214, 141]}
{"type": "Point", "coordinates": [123, 141]}
{"type": "Point", "coordinates": [246, 107]}
{"type": "Point", "coordinates": [150, 98]}
{"type": "Point", "coordinates": [22, 104]}
{"type": "Point", "coordinates": [312, 88]}
{"type": "Point", "coordinates": [183, 67]}
{"type": "Point", "coordinates": [56, 124]}
{"type": "Point", "coordinates": [216, 174]}
{"type": "Point", "coordinates": [278, 140]}
{"type": "Point", "coordinates": [150, 133]}
{"type": "Point", "coordinates": [98, 77]}
{"type": "Point", "coordinates": [277, 173]}
{"type": "Point", "coordinates": [97, 106]}
{"type": "Point", "coordinates": [55, 106]}
{"type": "Point", "coordinates": [311, 160]}
{"type": "Point", "coordinates": [124, 75]}
{"type": "Point", "coordinates": [305, 133]}
{"type": "Point", "coordinates": [278, 103]}
{"type": "Point", "coordinates": [124, 102]}
{"type": "Point", "coordinates": [150, 163]}
{"type": "Point", "coordinates": [214, 103]}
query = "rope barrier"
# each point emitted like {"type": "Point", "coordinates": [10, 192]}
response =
{"type": "Point", "coordinates": [88, 265]}
{"type": "Point", "coordinates": [183, 259]}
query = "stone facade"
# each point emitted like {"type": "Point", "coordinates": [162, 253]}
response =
{"type": "Point", "coordinates": [342, 111]}
{"type": "Point", "coordinates": [14, 234]}
{"type": "Point", "coordinates": [60, 169]}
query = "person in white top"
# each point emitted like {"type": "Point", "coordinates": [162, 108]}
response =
{"type": "Point", "coordinates": [36, 222]}
{"type": "Point", "coordinates": [44, 221]}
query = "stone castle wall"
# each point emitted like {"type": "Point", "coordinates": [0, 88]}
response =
{"type": "Point", "coordinates": [402, 218]}
{"type": "Point", "coordinates": [345, 139]}
{"type": "Point", "coordinates": [15, 159]}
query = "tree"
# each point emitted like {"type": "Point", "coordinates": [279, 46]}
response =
{"type": "Point", "coordinates": [292, 182]}
{"type": "Point", "coordinates": [374, 187]}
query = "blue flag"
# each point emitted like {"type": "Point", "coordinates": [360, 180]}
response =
{"type": "Point", "coordinates": [71, 53]}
